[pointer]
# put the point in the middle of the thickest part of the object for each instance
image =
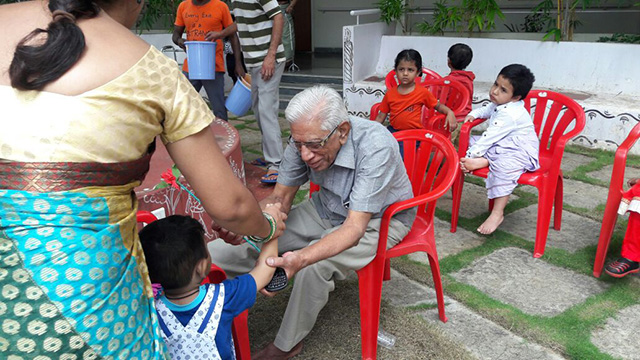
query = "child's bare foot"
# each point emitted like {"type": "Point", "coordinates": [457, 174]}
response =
{"type": "Point", "coordinates": [491, 224]}
{"type": "Point", "coordinates": [470, 164]}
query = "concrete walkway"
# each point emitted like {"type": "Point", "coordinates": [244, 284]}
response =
{"type": "Point", "coordinates": [501, 302]}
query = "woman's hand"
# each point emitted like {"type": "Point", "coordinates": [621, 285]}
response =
{"type": "Point", "coordinates": [469, 118]}
{"type": "Point", "coordinates": [279, 216]}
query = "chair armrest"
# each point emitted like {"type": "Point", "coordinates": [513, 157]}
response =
{"type": "Point", "coordinates": [620, 161]}
{"type": "Point", "coordinates": [465, 132]}
{"type": "Point", "coordinates": [375, 109]}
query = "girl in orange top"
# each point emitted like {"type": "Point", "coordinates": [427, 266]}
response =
{"type": "Point", "coordinates": [404, 103]}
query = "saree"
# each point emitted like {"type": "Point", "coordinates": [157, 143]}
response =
{"type": "Point", "coordinates": [73, 280]}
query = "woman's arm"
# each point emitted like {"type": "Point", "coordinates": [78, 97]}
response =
{"type": "Point", "coordinates": [229, 203]}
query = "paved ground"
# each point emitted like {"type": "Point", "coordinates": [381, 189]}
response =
{"type": "Point", "coordinates": [501, 302]}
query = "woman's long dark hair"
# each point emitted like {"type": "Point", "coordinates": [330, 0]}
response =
{"type": "Point", "coordinates": [45, 55]}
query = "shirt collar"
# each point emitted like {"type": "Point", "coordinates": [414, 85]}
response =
{"type": "Point", "coordinates": [346, 156]}
{"type": "Point", "coordinates": [510, 104]}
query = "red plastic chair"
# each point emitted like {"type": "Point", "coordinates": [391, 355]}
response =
{"type": "Point", "coordinates": [432, 169]}
{"type": "Point", "coordinates": [450, 93]}
{"type": "Point", "coordinates": [240, 329]}
{"type": "Point", "coordinates": [552, 116]}
{"type": "Point", "coordinates": [391, 81]}
{"type": "Point", "coordinates": [613, 200]}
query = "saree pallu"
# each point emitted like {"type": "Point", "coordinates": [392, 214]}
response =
{"type": "Point", "coordinates": [73, 280]}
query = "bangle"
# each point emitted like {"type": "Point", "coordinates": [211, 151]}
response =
{"type": "Point", "coordinates": [272, 230]}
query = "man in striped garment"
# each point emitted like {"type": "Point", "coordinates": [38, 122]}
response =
{"type": "Point", "coordinates": [260, 24]}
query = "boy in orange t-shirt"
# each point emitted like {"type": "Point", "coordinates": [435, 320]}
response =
{"type": "Point", "coordinates": [206, 20]}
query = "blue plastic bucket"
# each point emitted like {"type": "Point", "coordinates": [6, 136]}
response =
{"type": "Point", "coordinates": [201, 56]}
{"type": "Point", "coordinates": [239, 99]}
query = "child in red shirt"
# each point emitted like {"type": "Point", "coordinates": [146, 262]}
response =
{"type": "Point", "coordinates": [404, 103]}
{"type": "Point", "coordinates": [458, 58]}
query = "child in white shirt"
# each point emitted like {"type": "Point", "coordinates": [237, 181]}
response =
{"type": "Point", "coordinates": [509, 146]}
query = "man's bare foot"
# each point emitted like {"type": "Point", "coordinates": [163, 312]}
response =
{"type": "Point", "coordinates": [470, 164]}
{"type": "Point", "coordinates": [271, 352]}
{"type": "Point", "coordinates": [491, 224]}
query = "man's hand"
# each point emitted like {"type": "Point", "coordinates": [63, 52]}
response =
{"type": "Point", "coordinates": [226, 235]}
{"type": "Point", "coordinates": [213, 36]}
{"type": "Point", "coordinates": [290, 261]}
{"type": "Point", "coordinates": [181, 44]}
{"type": "Point", "coordinates": [469, 118]}
{"type": "Point", "coordinates": [268, 67]}
{"type": "Point", "coordinates": [240, 71]}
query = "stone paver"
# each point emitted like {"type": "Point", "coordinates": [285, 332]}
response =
{"type": "Point", "coordinates": [578, 194]}
{"type": "Point", "coordinates": [472, 194]}
{"type": "Point", "coordinates": [604, 174]}
{"type": "Point", "coordinates": [620, 337]}
{"type": "Point", "coordinates": [250, 137]}
{"type": "Point", "coordinates": [571, 161]}
{"type": "Point", "coordinates": [483, 338]}
{"type": "Point", "coordinates": [402, 291]}
{"type": "Point", "coordinates": [449, 243]}
{"type": "Point", "coordinates": [531, 285]}
{"type": "Point", "coordinates": [576, 231]}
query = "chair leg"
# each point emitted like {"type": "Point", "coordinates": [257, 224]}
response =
{"type": "Point", "coordinates": [370, 284]}
{"type": "Point", "coordinates": [387, 270]}
{"type": "Point", "coordinates": [437, 282]}
{"type": "Point", "coordinates": [545, 204]}
{"type": "Point", "coordinates": [557, 207]}
{"type": "Point", "coordinates": [241, 336]}
{"type": "Point", "coordinates": [608, 224]}
{"type": "Point", "coordinates": [456, 197]}
{"type": "Point", "coordinates": [491, 205]}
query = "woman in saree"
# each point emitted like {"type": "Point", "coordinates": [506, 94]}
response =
{"type": "Point", "coordinates": [83, 99]}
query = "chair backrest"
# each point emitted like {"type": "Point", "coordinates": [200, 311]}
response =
{"type": "Point", "coordinates": [436, 123]}
{"type": "Point", "coordinates": [450, 93]}
{"type": "Point", "coordinates": [427, 74]}
{"type": "Point", "coordinates": [375, 109]}
{"type": "Point", "coordinates": [145, 217]}
{"type": "Point", "coordinates": [432, 166]}
{"type": "Point", "coordinates": [557, 118]}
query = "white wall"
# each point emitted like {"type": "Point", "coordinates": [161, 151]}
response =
{"type": "Point", "coordinates": [329, 16]}
{"type": "Point", "coordinates": [591, 67]}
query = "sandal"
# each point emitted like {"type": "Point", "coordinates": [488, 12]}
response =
{"type": "Point", "coordinates": [269, 178]}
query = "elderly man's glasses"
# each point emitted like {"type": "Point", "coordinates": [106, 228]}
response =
{"type": "Point", "coordinates": [312, 145]}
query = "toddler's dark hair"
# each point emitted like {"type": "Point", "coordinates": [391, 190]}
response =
{"type": "Point", "coordinates": [460, 56]}
{"type": "Point", "coordinates": [172, 247]}
{"type": "Point", "coordinates": [411, 56]}
{"type": "Point", "coordinates": [520, 77]}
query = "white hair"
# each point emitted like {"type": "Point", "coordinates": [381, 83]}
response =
{"type": "Point", "coordinates": [317, 102]}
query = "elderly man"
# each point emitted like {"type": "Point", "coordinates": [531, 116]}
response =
{"type": "Point", "coordinates": [358, 167]}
